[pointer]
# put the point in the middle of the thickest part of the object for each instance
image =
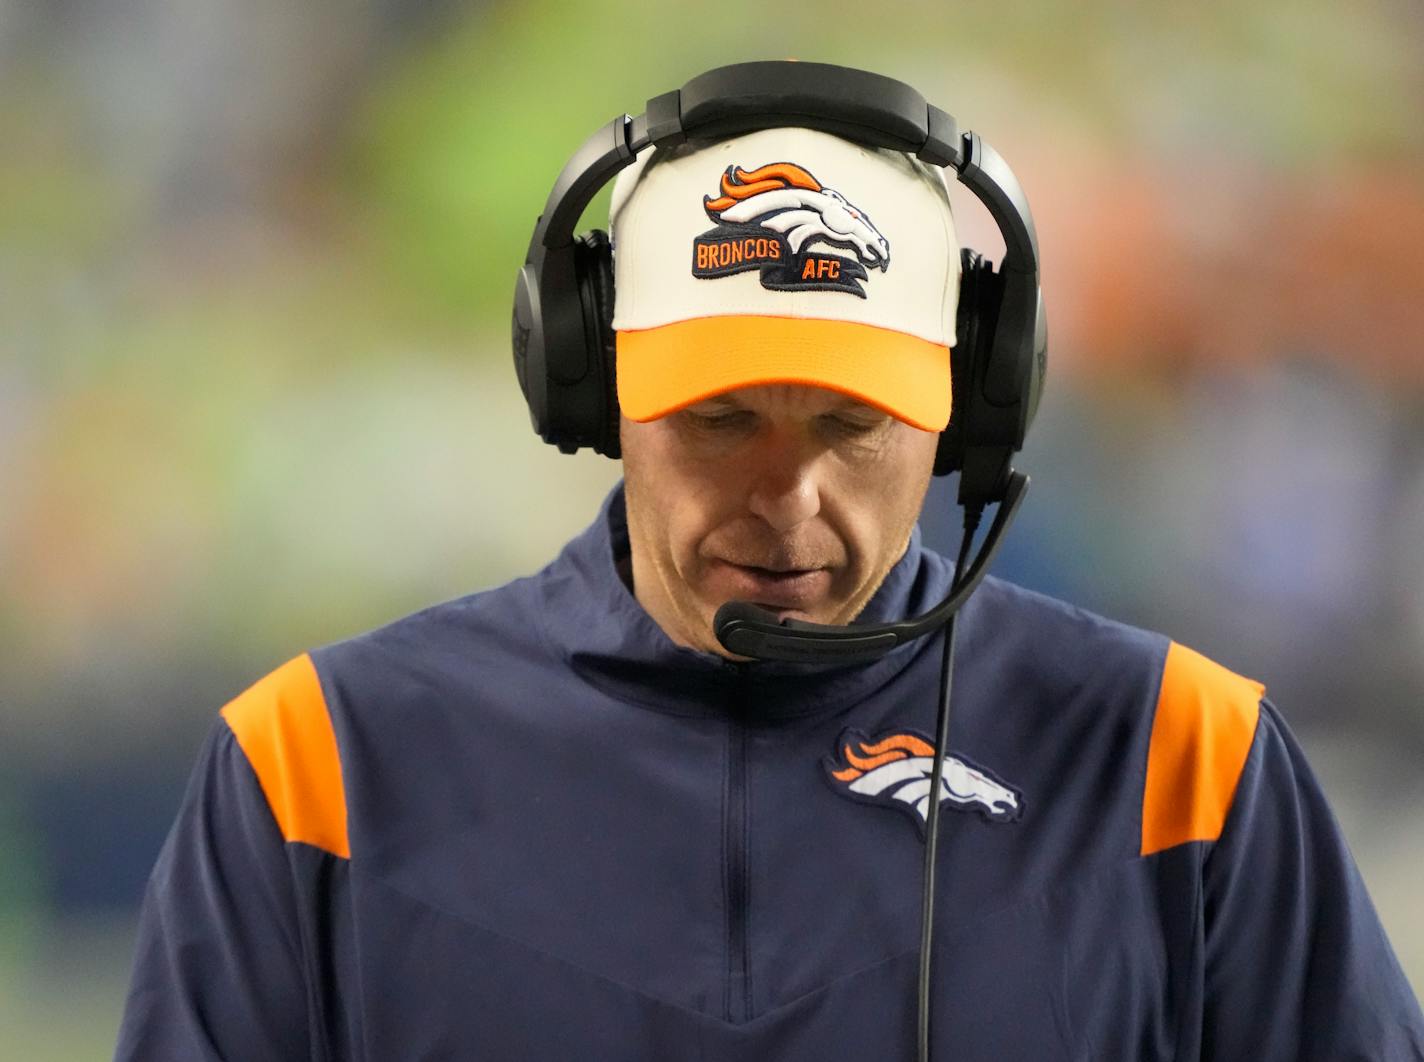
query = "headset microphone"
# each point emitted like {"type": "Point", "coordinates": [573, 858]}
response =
{"type": "Point", "coordinates": [749, 630]}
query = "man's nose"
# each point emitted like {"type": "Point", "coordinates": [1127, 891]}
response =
{"type": "Point", "coordinates": [784, 490]}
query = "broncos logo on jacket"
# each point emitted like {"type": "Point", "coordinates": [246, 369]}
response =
{"type": "Point", "coordinates": [771, 217]}
{"type": "Point", "coordinates": [895, 769]}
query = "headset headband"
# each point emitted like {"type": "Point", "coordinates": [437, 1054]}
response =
{"type": "Point", "coordinates": [855, 104]}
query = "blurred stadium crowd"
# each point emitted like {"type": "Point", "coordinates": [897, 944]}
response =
{"type": "Point", "coordinates": [255, 392]}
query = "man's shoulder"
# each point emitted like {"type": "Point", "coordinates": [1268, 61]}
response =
{"type": "Point", "coordinates": [1066, 642]}
{"type": "Point", "coordinates": [472, 627]}
{"type": "Point", "coordinates": [469, 640]}
{"type": "Point", "coordinates": [294, 725]}
{"type": "Point", "coordinates": [1062, 640]}
{"type": "Point", "coordinates": [1190, 720]}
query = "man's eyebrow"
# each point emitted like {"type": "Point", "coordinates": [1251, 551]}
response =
{"type": "Point", "coordinates": [717, 402]}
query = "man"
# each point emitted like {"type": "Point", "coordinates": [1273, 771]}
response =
{"type": "Point", "coordinates": [560, 820]}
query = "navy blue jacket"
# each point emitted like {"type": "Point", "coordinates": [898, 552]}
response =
{"type": "Point", "coordinates": [525, 825]}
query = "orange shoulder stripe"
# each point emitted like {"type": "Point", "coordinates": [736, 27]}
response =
{"type": "Point", "coordinates": [284, 729]}
{"type": "Point", "coordinates": [1201, 734]}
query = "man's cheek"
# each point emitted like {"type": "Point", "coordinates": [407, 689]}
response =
{"type": "Point", "coordinates": [691, 566]}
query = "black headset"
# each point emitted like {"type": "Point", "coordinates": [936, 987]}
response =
{"type": "Point", "coordinates": [563, 299]}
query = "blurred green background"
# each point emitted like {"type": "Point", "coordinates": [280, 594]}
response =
{"type": "Point", "coordinates": [255, 391]}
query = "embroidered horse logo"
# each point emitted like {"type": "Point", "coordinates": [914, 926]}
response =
{"type": "Point", "coordinates": [771, 217]}
{"type": "Point", "coordinates": [895, 770]}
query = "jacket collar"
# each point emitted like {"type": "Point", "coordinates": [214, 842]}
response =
{"type": "Point", "coordinates": [593, 620]}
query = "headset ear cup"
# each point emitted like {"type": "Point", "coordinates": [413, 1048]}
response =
{"type": "Point", "coordinates": [594, 266]}
{"type": "Point", "coordinates": [969, 317]}
{"type": "Point", "coordinates": [528, 348]}
{"type": "Point", "coordinates": [1038, 367]}
{"type": "Point", "coordinates": [608, 363]}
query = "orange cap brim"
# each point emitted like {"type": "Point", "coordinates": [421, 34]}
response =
{"type": "Point", "coordinates": [664, 369]}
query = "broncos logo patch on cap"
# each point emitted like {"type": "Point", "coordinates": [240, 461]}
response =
{"type": "Point", "coordinates": [894, 770]}
{"type": "Point", "coordinates": [769, 218]}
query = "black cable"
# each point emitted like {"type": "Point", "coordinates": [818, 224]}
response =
{"type": "Point", "coordinates": [972, 515]}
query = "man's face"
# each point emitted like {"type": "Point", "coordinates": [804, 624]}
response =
{"type": "Point", "coordinates": [793, 497]}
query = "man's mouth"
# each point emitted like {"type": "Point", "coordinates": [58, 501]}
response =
{"type": "Point", "coordinates": [777, 589]}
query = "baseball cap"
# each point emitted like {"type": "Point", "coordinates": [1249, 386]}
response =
{"type": "Point", "coordinates": [785, 255]}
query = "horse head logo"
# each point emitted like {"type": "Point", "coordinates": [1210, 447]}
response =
{"type": "Point", "coordinates": [785, 198]}
{"type": "Point", "coordinates": [895, 769]}
{"type": "Point", "coordinates": [773, 217]}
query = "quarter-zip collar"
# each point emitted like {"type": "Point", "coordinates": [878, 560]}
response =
{"type": "Point", "coordinates": [593, 620]}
